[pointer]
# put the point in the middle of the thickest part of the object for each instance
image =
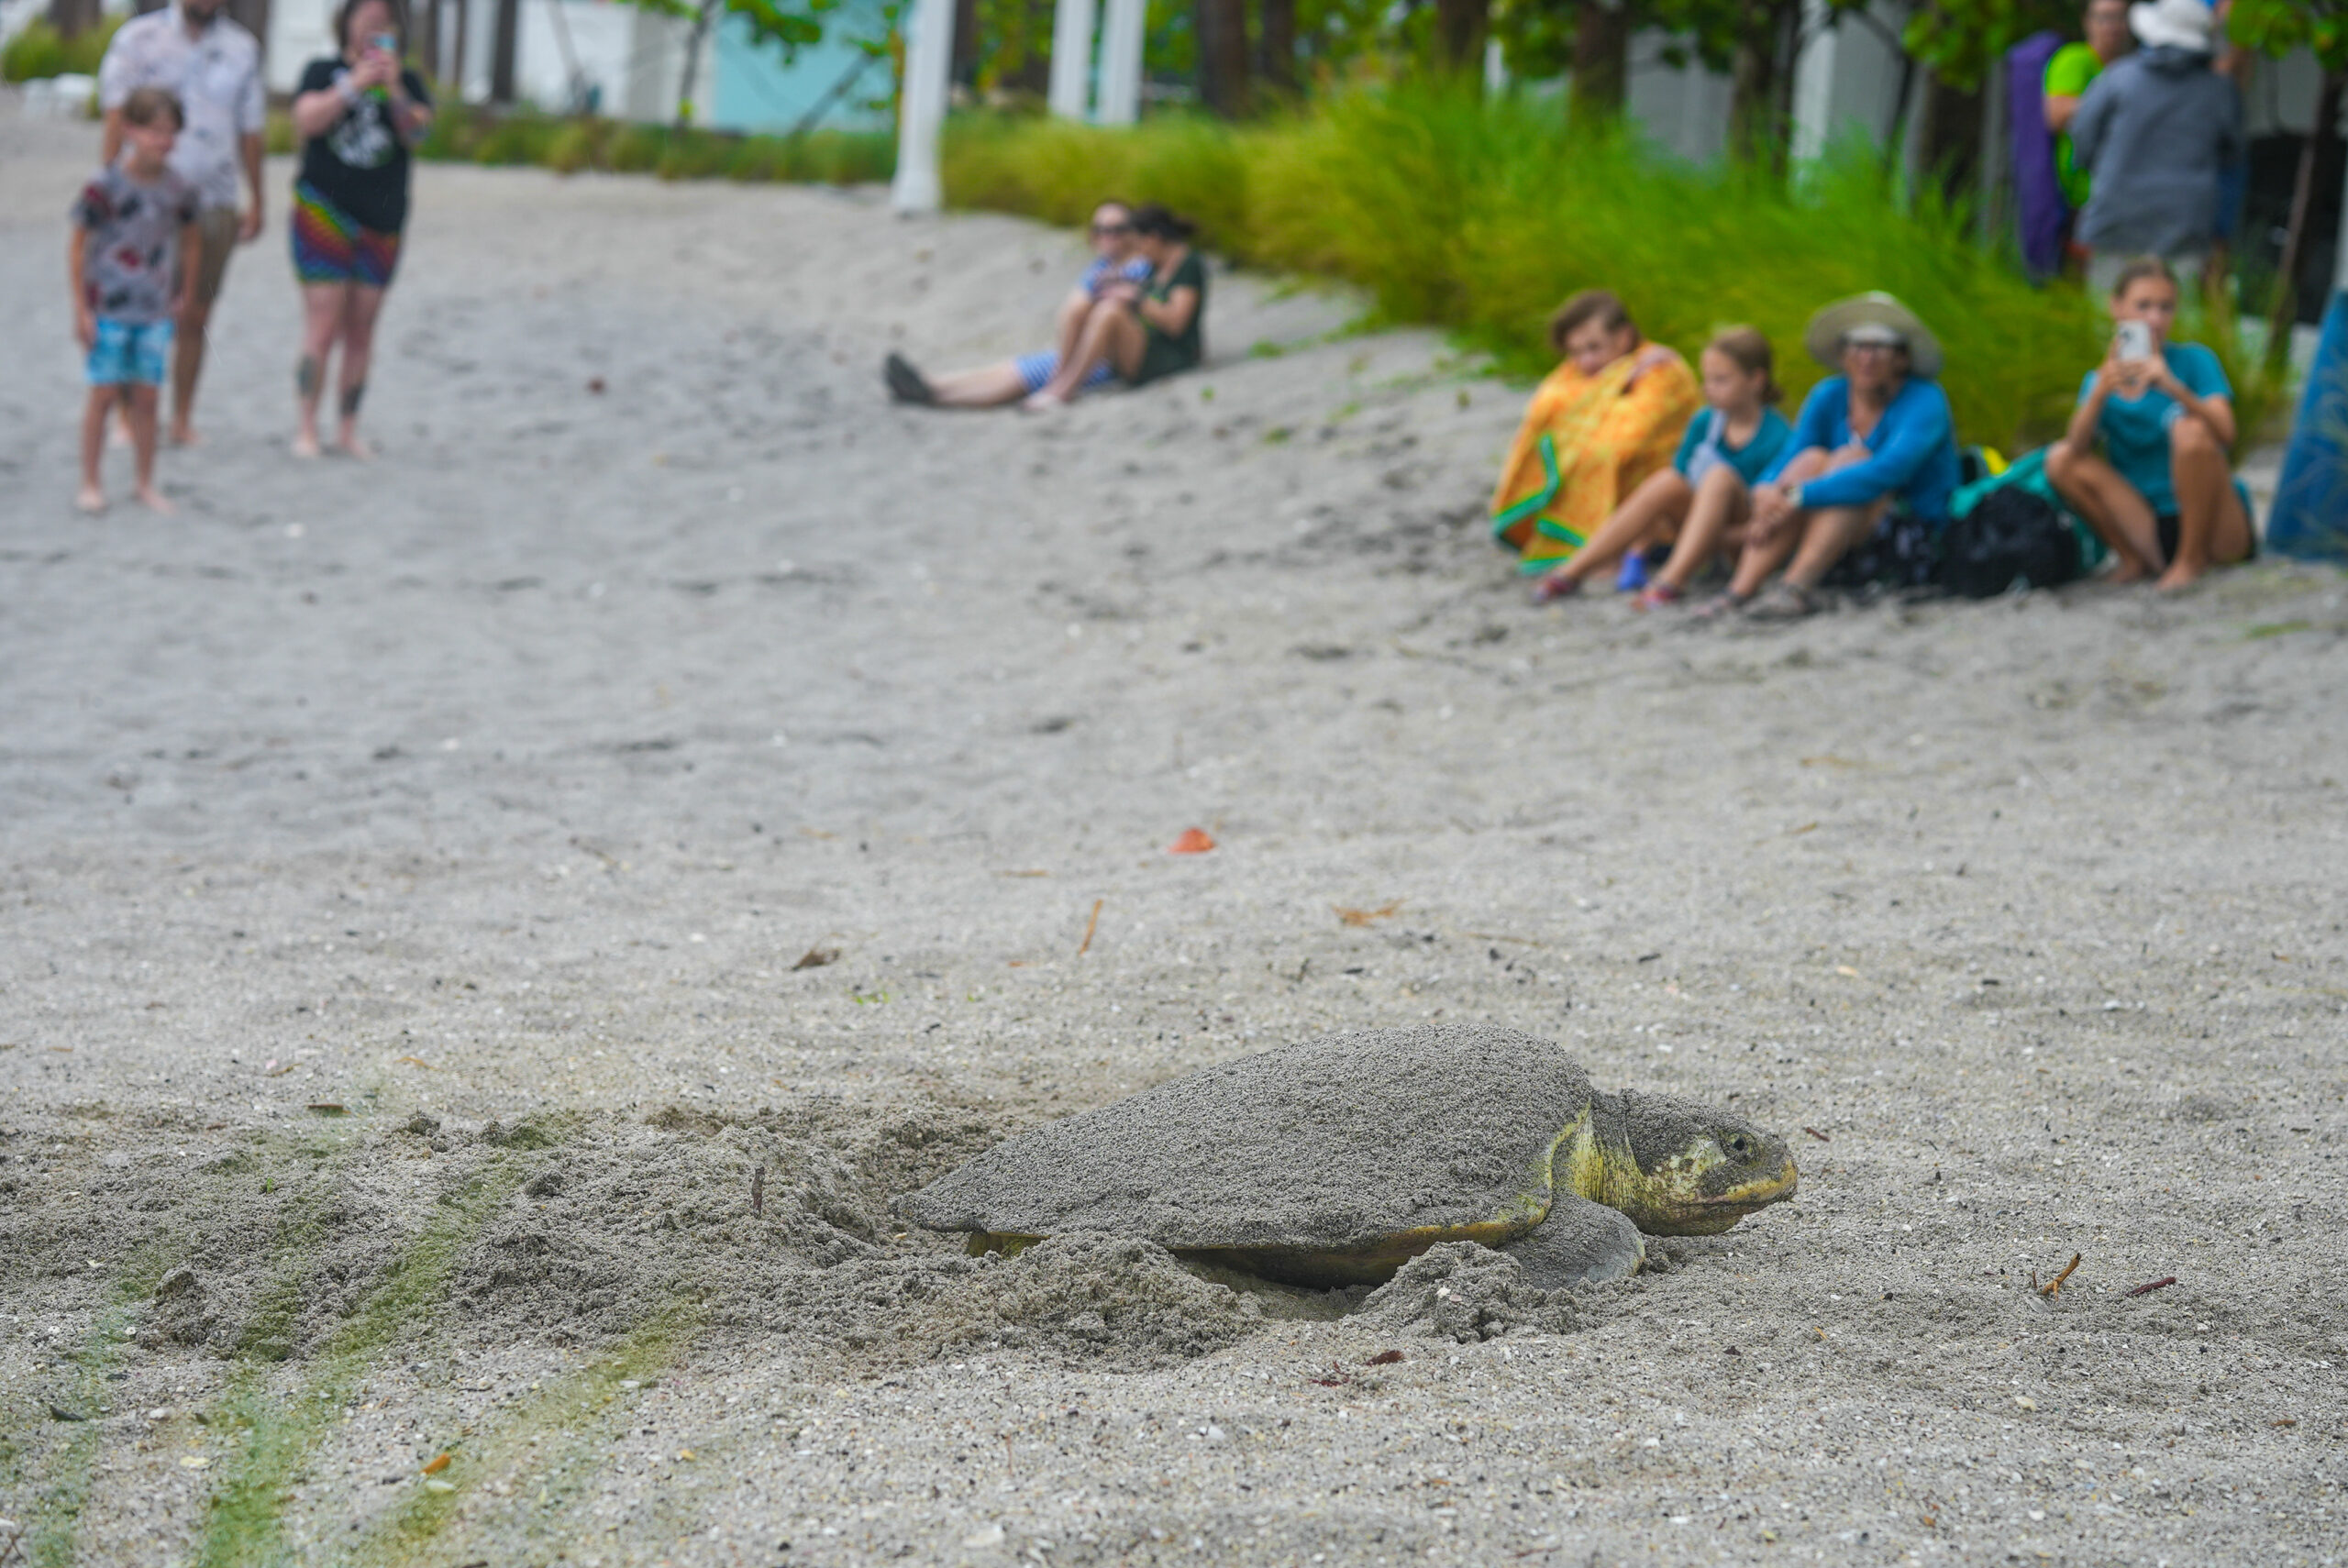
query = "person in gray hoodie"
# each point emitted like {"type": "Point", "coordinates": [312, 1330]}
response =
{"type": "Point", "coordinates": [2155, 130]}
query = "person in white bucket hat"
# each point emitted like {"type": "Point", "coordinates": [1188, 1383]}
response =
{"type": "Point", "coordinates": [2155, 133]}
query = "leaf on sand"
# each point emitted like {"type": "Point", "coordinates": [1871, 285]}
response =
{"type": "Point", "coordinates": [1195, 841]}
{"type": "Point", "coordinates": [1384, 1358]}
{"type": "Point", "coordinates": [1364, 917]}
{"type": "Point", "coordinates": [438, 1464]}
{"type": "Point", "coordinates": [416, 1062]}
{"type": "Point", "coordinates": [817, 957]}
{"type": "Point", "coordinates": [194, 1461]}
{"type": "Point", "coordinates": [325, 1107]}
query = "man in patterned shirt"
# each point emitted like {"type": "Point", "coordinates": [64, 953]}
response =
{"type": "Point", "coordinates": [214, 67]}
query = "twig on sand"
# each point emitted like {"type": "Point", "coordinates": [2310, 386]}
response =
{"type": "Point", "coordinates": [10, 1547]}
{"type": "Point", "coordinates": [2054, 1286]}
{"type": "Point", "coordinates": [1367, 917]}
{"type": "Point", "coordinates": [1091, 926]}
{"type": "Point", "coordinates": [1010, 1465]}
{"type": "Point", "coordinates": [1817, 1134]}
{"type": "Point", "coordinates": [758, 1190]}
{"type": "Point", "coordinates": [2151, 1284]}
{"type": "Point", "coordinates": [815, 957]}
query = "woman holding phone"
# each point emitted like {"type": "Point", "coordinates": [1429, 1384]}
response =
{"type": "Point", "coordinates": [359, 114]}
{"type": "Point", "coordinates": [2162, 496]}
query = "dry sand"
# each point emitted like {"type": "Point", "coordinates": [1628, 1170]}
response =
{"type": "Point", "coordinates": [493, 792]}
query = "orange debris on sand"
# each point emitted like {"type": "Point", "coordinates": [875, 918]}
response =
{"type": "Point", "coordinates": [1195, 841]}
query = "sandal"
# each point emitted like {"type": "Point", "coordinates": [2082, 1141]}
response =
{"type": "Point", "coordinates": [1553, 586]}
{"type": "Point", "coordinates": [1657, 595]}
{"type": "Point", "coordinates": [1787, 601]}
{"type": "Point", "coordinates": [1720, 608]}
{"type": "Point", "coordinates": [905, 384]}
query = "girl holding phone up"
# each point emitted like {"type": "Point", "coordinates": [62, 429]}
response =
{"type": "Point", "coordinates": [359, 114]}
{"type": "Point", "coordinates": [2162, 496]}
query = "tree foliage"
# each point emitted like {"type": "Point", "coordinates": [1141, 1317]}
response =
{"type": "Point", "coordinates": [1961, 41]}
{"type": "Point", "coordinates": [2277, 26]}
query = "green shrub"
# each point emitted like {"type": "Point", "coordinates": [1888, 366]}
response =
{"type": "Point", "coordinates": [40, 50]}
{"type": "Point", "coordinates": [1482, 216]}
{"type": "Point", "coordinates": [527, 138]}
{"type": "Point", "coordinates": [636, 150]}
{"type": "Point", "coordinates": [693, 154]}
{"type": "Point", "coordinates": [580, 143]}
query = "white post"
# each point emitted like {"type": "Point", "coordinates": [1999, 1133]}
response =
{"type": "Point", "coordinates": [921, 110]}
{"type": "Point", "coordinates": [1121, 41]}
{"type": "Point", "coordinates": [1071, 57]}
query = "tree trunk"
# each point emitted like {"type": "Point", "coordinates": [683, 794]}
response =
{"type": "Point", "coordinates": [1276, 44]}
{"type": "Point", "coordinates": [422, 37]}
{"type": "Point", "coordinates": [693, 40]}
{"type": "Point", "coordinates": [965, 70]}
{"type": "Point", "coordinates": [1601, 71]}
{"type": "Point", "coordinates": [2285, 309]}
{"type": "Point", "coordinates": [1223, 55]}
{"type": "Point", "coordinates": [464, 28]}
{"type": "Point", "coordinates": [1753, 127]}
{"type": "Point", "coordinates": [505, 45]}
{"type": "Point", "coordinates": [71, 16]}
{"type": "Point", "coordinates": [1948, 140]}
{"type": "Point", "coordinates": [1460, 28]}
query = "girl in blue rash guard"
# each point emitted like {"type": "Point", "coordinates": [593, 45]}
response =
{"type": "Point", "coordinates": [1862, 491]}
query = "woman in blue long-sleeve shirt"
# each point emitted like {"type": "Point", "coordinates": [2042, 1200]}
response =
{"type": "Point", "coordinates": [1863, 490]}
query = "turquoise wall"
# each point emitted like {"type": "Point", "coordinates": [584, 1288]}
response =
{"type": "Point", "coordinates": [755, 90]}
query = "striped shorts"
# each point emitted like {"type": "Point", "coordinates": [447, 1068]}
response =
{"type": "Point", "coordinates": [330, 247]}
{"type": "Point", "coordinates": [1035, 369]}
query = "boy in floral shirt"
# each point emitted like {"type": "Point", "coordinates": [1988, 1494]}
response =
{"type": "Point", "coordinates": [136, 253]}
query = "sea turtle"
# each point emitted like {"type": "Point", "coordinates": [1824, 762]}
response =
{"type": "Point", "coordinates": [1335, 1161]}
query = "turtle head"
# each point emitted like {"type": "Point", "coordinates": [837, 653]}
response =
{"type": "Point", "coordinates": [1685, 1169]}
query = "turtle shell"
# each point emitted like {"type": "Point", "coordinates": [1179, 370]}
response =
{"type": "Point", "coordinates": [1374, 1146]}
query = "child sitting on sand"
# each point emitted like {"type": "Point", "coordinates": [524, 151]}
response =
{"type": "Point", "coordinates": [1118, 273]}
{"type": "Point", "coordinates": [2162, 495]}
{"type": "Point", "coordinates": [134, 234]}
{"type": "Point", "coordinates": [1701, 502]}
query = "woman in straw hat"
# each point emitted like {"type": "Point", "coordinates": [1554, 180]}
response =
{"type": "Point", "coordinates": [1863, 490]}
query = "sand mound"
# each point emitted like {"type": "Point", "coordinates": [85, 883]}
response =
{"type": "Point", "coordinates": [1465, 1292]}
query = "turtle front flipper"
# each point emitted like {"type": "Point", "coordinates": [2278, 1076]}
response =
{"type": "Point", "coordinates": [1579, 1243]}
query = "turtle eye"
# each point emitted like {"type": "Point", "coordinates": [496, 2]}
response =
{"type": "Point", "coordinates": [1739, 1146]}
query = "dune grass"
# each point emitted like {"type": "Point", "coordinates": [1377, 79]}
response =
{"type": "Point", "coordinates": [38, 50]}
{"type": "Point", "coordinates": [1482, 216]}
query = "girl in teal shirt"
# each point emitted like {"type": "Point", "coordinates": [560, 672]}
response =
{"type": "Point", "coordinates": [2162, 495]}
{"type": "Point", "coordinates": [1702, 500]}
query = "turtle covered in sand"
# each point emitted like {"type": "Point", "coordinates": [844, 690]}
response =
{"type": "Point", "coordinates": [1335, 1161]}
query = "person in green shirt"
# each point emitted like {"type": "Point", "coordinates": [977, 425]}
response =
{"type": "Point", "coordinates": [2068, 73]}
{"type": "Point", "coordinates": [1146, 333]}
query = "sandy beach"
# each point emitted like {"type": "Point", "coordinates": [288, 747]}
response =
{"type": "Point", "coordinates": [485, 935]}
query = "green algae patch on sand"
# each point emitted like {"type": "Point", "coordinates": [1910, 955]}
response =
{"type": "Point", "coordinates": [59, 1488]}
{"type": "Point", "coordinates": [243, 1526]}
{"type": "Point", "coordinates": [561, 1437]}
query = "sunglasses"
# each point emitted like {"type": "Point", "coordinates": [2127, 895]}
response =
{"type": "Point", "coordinates": [1112, 228]}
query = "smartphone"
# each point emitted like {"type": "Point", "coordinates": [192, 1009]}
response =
{"type": "Point", "coordinates": [2133, 342]}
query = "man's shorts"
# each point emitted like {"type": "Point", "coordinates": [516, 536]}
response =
{"type": "Point", "coordinates": [127, 352]}
{"type": "Point", "coordinates": [330, 247]}
{"type": "Point", "coordinates": [1036, 369]}
{"type": "Point", "coordinates": [218, 225]}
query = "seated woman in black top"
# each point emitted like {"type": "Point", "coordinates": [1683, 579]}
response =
{"type": "Point", "coordinates": [359, 114]}
{"type": "Point", "coordinates": [1155, 336]}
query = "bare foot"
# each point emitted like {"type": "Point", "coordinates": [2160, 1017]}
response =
{"type": "Point", "coordinates": [2128, 572]}
{"type": "Point", "coordinates": [305, 443]}
{"type": "Point", "coordinates": [349, 445]}
{"type": "Point", "coordinates": [185, 436]}
{"type": "Point", "coordinates": [153, 501]}
{"type": "Point", "coordinates": [90, 499]}
{"type": "Point", "coordinates": [1043, 401]}
{"type": "Point", "coordinates": [2179, 575]}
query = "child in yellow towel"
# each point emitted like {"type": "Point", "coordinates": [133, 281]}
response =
{"type": "Point", "coordinates": [1605, 419]}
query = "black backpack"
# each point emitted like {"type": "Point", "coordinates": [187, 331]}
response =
{"type": "Point", "coordinates": [2011, 536]}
